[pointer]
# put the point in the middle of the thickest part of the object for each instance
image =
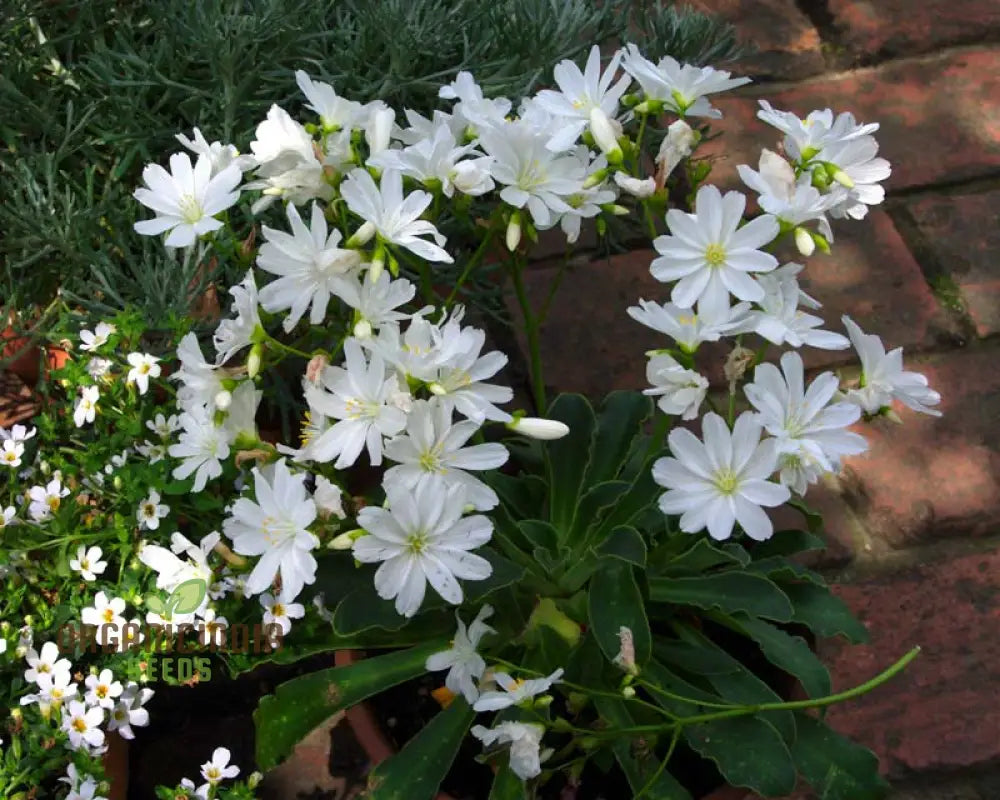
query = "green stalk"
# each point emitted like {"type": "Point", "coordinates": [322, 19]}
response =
{"type": "Point", "coordinates": [531, 332]}
{"type": "Point", "coordinates": [470, 265]}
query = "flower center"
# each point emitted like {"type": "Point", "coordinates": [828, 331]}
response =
{"type": "Point", "coordinates": [43, 668]}
{"type": "Point", "coordinates": [726, 481]}
{"type": "Point", "coordinates": [430, 460]}
{"type": "Point", "coordinates": [417, 542]}
{"type": "Point", "coordinates": [80, 724]}
{"type": "Point", "coordinates": [85, 564]}
{"type": "Point", "coordinates": [278, 610]}
{"type": "Point", "coordinates": [190, 208]}
{"type": "Point", "coordinates": [101, 691]}
{"type": "Point", "coordinates": [212, 773]}
{"type": "Point", "coordinates": [359, 409]}
{"type": "Point", "coordinates": [10, 455]}
{"type": "Point", "coordinates": [108, 615]}
{"type": "Point", "coordinates": [54, 503]}
{"type": "Point", "coordinates": [715, 255]}
{"type": "Point", "coordinates": [149, 510]}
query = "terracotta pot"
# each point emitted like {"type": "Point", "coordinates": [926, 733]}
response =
{"type": "Point", "coordinates": [365, 724]}
{"type": "Point", "coordinates": [28, 359]}
{"type": "Point", "coordinates": [116, 767]}
{"type": "Point", "coordinates": [17, 403]}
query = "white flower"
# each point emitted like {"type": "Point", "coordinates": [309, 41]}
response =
{"type": "Point", "coordinates": [583, 204]}
{"type": "Point", "coordinates": [335, 112]}
{"type": "Point", "coordinates": [374, 301]}
{"type": "Point", "coordinates": [212, 629]}
{"type": "Point", "coordinates": [525, 740]}
{"type": "Point", "coordinates": [7, 516]}
{"type": "Point", "coordinates": [309, 264]}
{"type": "Point", "coordinates": [102, 689]}
{"type": "Point", "coordinates": [433, 446]}
{"type": "Point", "coordinates": [91, 340]}
{"type": "Point", "coordinates": [635, 186]}
{"type": "Point", "coordinates": [794, 201]}
{"type": "Point", "coordinates": [681, 391]}
{"type": "Point", "coordinates": [85, 791]}
{"type": "Point", "coordinates": [99, 367]}
{"type": "Point", "coordinates": [288, 165]}
{"type": "Point", "coordinates": [514, 692]}
{"type": "Point", "coordinates": [144, 367]}
{"type": "Point", "coordinates": [378, 127]}
{"type": "Point", "coordinates": [186, 200]}
{"type": "Point", "coordinates": [883, 377]}
{"type": "Point", "coordinates": [465, 666]}
{"type": "Point", "coordinates": [53, 689]}
{"type": "Point", "coordinates": [682, 88]}
{"type": "Point", "coordinates": [328, 498]}
{"type": "Point", "coordinates": [676, 146]}
{"type": "Point", "coordinates": [804, 138]}
{"type": "Point", "coordinates": [724, 480]}
{"type": "Point", "coordinates": [581, 93]}
{"type": "Point", "coordinates": [233, 335]}
{"type": "Point", "coordinates": [151, 511]}
{"type": "Point", "coordinates": [422, 537]}
{"type": "Point", "coordinates": [201, 381]}
{"type": "Point", "coordinates": [218, 768]}
{"type": "Point", "coordinates": [129, 711]}
{"type": "Point", "coordinates": [45, 500]}
{"type": "Point", "coordinates": [538, 428]}
{"type": "Point", "coordinates": [275, 527]}
{"type": "Point", "coordinates": [710, 256]}
{"type": "Point", "coordinates": [533, 176]}
{"type": "Point", "coordinates": [172, 571]}
{"type": "Point", "coordinates": [475, 109]}
{"type": "Point", "coordinates": [86, 406]}
{"type": "Point", "coordinates": [88, 562]}
{"type": "Point", "coordinates": [858, 160]}
{"type": "Point", "coordinates": [779, 319]}
{"type": "Point", "coordinates": [152, 452]}
{"type": "Point", "coordinates": [11, 452]}
{"type": "Point", "coordinates": [220, 155]}
{"type": "Point", "coordinates": [438, 158]}
{"type": "Point", "coordinates": [47, 662]}
{"type": "Point", "coordinates": [360, 398]}
{"type": "Point", "coordinates": [18, 433]}
{"type": "Point", "coordinates": [84, 725]}
{"type": "Point", "coordinates": [811, 432]}
{"type": "Point", "coordinates": [278, 611]}
{"type": "Point", "coordinates": [396, 219]}
{"type": "Point", "coordinates": [202, 445]}
{"type": "Point", "coordinates": [685, 327]}
{"type": "Point", "coordinates": [163, 427]}
{"type": "Point", "coordinates": [105, 611]}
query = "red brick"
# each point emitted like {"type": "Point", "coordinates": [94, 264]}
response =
{"type": "Point", "coordinates": [934, 477]}
{"type": "Point", "coordinates": [780, 39]}
{"type": "Point", "coordinates": [904, 27]}
{"type": "Point", "coordinates": [307, 769]}
{"type": "Point", "coordinates": [943, 711]}
{"type": "Point", "coordinates": [940, 116]}
{"type": "Point", "coordinates": [16, 401]}
{"type": "Point", "coordinates": [962, 234]}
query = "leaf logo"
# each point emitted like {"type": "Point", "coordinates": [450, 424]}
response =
{"type": "Point", "coordinates": [186, 598]}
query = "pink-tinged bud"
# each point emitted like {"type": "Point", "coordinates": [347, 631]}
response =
{"type": "Point", "coordinates": [315, 367]}
{"type": "Point", "coordinates": [538, 428]}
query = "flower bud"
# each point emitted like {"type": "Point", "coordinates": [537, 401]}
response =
{"type": "Point", "coordinates": [223, 400]}
{"type": "Point", "coordinates": [346, 540]}
{"type": "Point", "coordinates": [804, 242]}
{"type": "Point", "coordinates": [605, 135]}
{"type": "Point", "coordinates": [254, 779]}
{"type": "Point", "coordinates": [361, 236]}
{"type": "Point", "coordinates": [253, 361]}
{"type": "Point", "coordinates": [538, 428]}
{"type": "Point", "coordinates": [379, 129]}
{"type": "Point", "coordinates": [676, 145]}
{"type": "Point", "coordinates": [315, 367]}
{"type": "Point", "coordinates": [628, 692]}
{"type": "Point", "coordinates": [514, 231]}
{"type": "Point", "coordinates": [328, 498]}
{"type": "Point", "coordinates": [635, 186]}
{"type": "Point", "coordinates": [842, 178]}
{"type": "Point", "coordinates": [362, 329]}
{"type": "Point", "coordinates": [596, 177]}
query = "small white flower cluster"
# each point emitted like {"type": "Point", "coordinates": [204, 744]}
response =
{"type": "Point", "coordinates": [213, 772]}
{"type": "Point", "coordinates": [105, 702]}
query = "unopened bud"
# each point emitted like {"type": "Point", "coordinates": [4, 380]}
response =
{"type": "Point", "coordinates": [596, 177]}
{"type": "Point", "coordinates": [378, 263]}
{"type": "Point", "coordinates": [804, 242]}
{"type": "Point", "coordinates": [361, 236]}
{"type": "Point", "coordinates": [628, 692]}
{"type": "Point", "coordinates": [223, 400]}
{"type": "Point", "coordinates": [315, 367]}
{"type": "Point", "coordinates": [542, 702]}
{"type": "Point", "coordinates": [842, 178]}
{"type": "Point", "coordinates": [514, 231]}
{"type": "Point", "coordinates": [254, 779]}
{"type": "Point", "coordinates": [539, 428]}
{"type": "Point", "coordinates": [605, 135]}
{"type": "Point", "coordinates": [346, 540]}
{"type": "Point", "coordinates": [362, 329]}
{"type": "Point", "coordinates": [253, 360]}
{"type": "Point", "coordinates": [614, 209]}
{"type": "Point", "coordinates": [379, 129]}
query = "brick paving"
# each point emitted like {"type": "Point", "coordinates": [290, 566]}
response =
{"type": "Point", "coordinates": [914, 525]}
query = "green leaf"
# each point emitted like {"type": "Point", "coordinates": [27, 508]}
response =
{"type": "Point", "coordinates": [638, 769]}
{"type": "Point", "coordinates": [780, 568]}
{"type": "Point", "coordinates": [664, 679]}
{"type": "Point", "coordinates": [790, 653]}
{"type": "Point", "coordinates": [787, 543]}
{"type": "Point", "coordinates": [615, 601]}
{"type": "Point", "coordinates": [620, 421]}
{"type": "Point", "coordinates": [507, 786]}
{"type": "Point", "coordinates": [299, 705]}
{"type": "Point", "coordinates": [748, 752]}
{"type": "Point", "coordinates": [505, 573]}
{"type": "Point", "coordinates": [187, 597]}
{"type": "Point", "coordinates": [625, 543]}
{"type": "Point", "coordinates": [416, 771]}
{"type": "Point", "coordinates": [363, 610]}
{"type": "Point", "coordinates": [523, 495]}
{"type": "Point", "coordinates": [730, 592]}
{"type": "Point", "coordinates": [639, 498]}
{"type": "Point", "coordinates": [595, 500]}
{"type": "Point", "coordinates": [541, 535]}
{"type": "Point", "coordinates": [700, 557]}
{"type": "Point", "coordinates": [837, 768]}
{"type": "Point", "coordinates": [566, 459]}
{"type": "Point", "coordinates": [155, 604]}
{"type": "Point", "coordinates": [179, 487]}
{"type": "Point", "coordinates": [823, 612]}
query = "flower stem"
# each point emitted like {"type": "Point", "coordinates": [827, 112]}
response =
{"type": "Point", "coordinates": [531, 326]}
{"type": "Point", "coordinates": [470, 265]}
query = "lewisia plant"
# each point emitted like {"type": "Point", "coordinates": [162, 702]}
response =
{"type": "Point", "coordinates": [600, 595]}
